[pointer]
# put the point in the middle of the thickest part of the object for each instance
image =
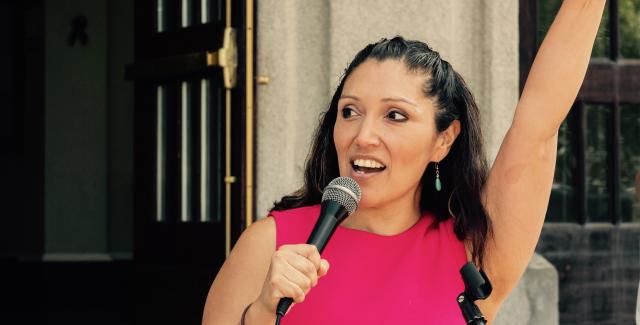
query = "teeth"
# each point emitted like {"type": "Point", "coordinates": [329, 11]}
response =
{"type": "Point", "coordinates": [368, 163]}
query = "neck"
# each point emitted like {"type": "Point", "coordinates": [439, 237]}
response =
{"type": "Point", "coordinates": [387, 219]}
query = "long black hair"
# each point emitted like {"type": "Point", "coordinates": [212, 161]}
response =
{"type": "Point", "coordinates": [463, 172]}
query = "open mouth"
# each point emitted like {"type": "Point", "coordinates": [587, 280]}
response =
{"type": "Point", "coordinates": [365, 166]}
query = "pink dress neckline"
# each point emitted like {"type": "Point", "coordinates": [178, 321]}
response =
{"type": "Point", "coordinates": [408, 278]}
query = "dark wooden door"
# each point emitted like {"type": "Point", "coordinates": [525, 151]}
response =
{"type": "Point", "coordinates": [190, 122]}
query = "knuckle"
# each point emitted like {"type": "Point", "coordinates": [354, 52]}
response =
{"type": "Point", "coordinates": [299, 297]}
{"type": "Point", "coordinates": [279, 257]}
{"type": "Point", "coordinates": [307, 284]}
{"type": "Point", "coordinates": [310, 269]}
{"type": "Point", "coordinates": [274, 281]}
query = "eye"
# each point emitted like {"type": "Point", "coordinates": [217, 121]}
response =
{"type": "Point", "coordinates": [396, 116]}
{"type": "Point", "coordinates": [348, 112]}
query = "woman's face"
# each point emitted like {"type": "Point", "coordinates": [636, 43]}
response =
{"type": "Point", "coordinates": [385, 132]}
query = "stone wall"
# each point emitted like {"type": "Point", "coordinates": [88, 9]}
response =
{"type": "Point", "coordinates": [598, 269]}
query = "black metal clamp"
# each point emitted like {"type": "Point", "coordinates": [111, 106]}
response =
{"type": "Point", "coordinates": [476, 286]}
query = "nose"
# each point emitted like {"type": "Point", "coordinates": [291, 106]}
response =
{"type": "Point", "coordinates": [368, 134]}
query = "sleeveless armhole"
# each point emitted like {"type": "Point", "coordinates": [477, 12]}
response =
{"type": "Point", "coordinates": [293, 226]}
{"type": "Point", "coordinates": [447, 231]}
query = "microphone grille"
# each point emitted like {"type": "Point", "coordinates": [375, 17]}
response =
{"type": "Point", "coordinates": [345, 191]}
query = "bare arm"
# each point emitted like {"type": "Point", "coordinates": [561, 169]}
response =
{"type": "Point", "coordinates": [240, 279]}
{"type": "Point", "coordinates": [517, 191]}
{"type": "Point", "coordinates": [559, 68]}
{"type": "Point", "coordinates": [255, 273]}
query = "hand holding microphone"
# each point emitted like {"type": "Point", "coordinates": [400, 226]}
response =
{"type": "Point", "coordinates": [295, 269]}
{"type": "Point", "coordinates": [340, 198]}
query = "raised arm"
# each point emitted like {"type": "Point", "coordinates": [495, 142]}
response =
{"type": "Point", "coordinates": [559, 68]}
{"type": "Point", "coordinates": [517, 191]}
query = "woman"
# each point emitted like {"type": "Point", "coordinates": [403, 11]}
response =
{"type": "Point", "coordinates": [404, 125]}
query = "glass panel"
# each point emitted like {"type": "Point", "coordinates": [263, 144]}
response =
{"type": "Point", "coordinates": [161, 188]}
{"type": "Point", "coordinates": [185, 13]}
{"type": "Point", "coordinates": [185, 152]}
{"type": "Point", "coordinates": [562, 202]}
{"type": "Point", "coordinates": [213, 10]}
{"type": "Point", "coordinates": [160, 21]}
{"type": "Point", "coordinates": [602, 44]}
{"type": "Point", "coordinates": [205, 174]}
{"type": "Point", "coordinates": [630, 28]}
{"type": "Point", "coordinates": [597, 163]}
{"type": "Point", "coordinates": [222, 10]}
{"type": "Point", "coordinates": [547, 10]}
{"type": "Point", "coordinates": [630, 162]}
{"type": "Point", "coordinates": [204, 11]}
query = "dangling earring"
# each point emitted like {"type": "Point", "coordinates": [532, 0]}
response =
{"type": "Point", "coordinates": [438, 183]}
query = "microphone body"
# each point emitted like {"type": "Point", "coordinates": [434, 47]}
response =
{"type": "Point", "coordinates": [331, 215]}
{"type": "Point", "coordinates": [340, 199]}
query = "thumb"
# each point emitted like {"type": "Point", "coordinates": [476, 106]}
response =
{"type": "Point", "coordinates": [324, 267]}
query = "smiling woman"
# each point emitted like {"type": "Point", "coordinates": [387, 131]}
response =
{"type": "Point", "coordinates": [401, 121]}
{"type": "Point", "coordinates": [389, 122]}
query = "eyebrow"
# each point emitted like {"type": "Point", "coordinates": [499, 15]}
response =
{"type": "Point", "coordinates": [388, 99]}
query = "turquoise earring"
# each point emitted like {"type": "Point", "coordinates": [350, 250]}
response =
{"type": "Point", "coordinates": [438, 183]}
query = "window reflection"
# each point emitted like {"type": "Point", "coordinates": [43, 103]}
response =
{"type": "Point", "coordinates": [160, 27]}
{"type": "Point", "coordinates": [161, 188]}
{"type": "Point", "coordinates": [185, 13]}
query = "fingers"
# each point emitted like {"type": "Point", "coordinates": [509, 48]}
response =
{"type": "Point", "coordinates": [294, 271]}
{"type": "Point", "coordinates": [306, 250]}
{"type": "Point", "coordinates": [290, 288]}
{"type": "Point", "coordinates": [297, 284]}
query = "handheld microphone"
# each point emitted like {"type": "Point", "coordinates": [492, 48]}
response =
{"type": "Point", "coordinates": [340, 198]}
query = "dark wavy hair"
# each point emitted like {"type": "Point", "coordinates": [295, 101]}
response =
{"type": "Point", "coordinates": [463, 171]}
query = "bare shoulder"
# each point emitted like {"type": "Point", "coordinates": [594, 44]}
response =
{"type": "Point", "coordinates": [242, 275]}
{"type": "Point", "coordinates": [254, 247]}
{"type": "Point", "coordinates": [260, 236]}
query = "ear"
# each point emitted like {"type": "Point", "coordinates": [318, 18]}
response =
{"type": "Point", "coordinates": [445, 140]}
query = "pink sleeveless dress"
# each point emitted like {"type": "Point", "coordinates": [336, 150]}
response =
{"type": "Point", "coordinates": [409, 278]}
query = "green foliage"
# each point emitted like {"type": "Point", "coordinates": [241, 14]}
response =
{"type": "Point", "coordinates": [630, 28]}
